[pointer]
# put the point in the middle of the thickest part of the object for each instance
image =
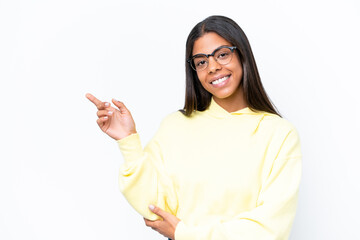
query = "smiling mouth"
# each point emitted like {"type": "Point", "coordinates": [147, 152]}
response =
{"type": "Point", "coordinates": [220, 80]}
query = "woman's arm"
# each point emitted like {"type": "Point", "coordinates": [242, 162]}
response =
{"type": "Point", "coordinates": [142, 177]}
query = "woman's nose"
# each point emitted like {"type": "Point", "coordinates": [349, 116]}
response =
{"type": "Point", "coordinates": [213, 65]}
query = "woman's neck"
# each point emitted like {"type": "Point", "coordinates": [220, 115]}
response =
{"type": "Point", "coordinates": [232, 103]}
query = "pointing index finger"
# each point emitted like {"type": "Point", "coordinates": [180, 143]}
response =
{"type": "Point", "coordinates": [93, 99]}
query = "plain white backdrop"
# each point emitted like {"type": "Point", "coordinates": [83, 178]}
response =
{"type": "Point", "coordinates": [58, 171]}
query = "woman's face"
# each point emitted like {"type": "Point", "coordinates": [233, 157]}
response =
{"type": "Point", "coordinates": [230, 75]}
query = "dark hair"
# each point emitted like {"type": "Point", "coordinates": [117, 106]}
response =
{"type": "Point", "coordinates": [196, 97]}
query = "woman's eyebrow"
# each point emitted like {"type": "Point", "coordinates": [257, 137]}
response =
{"type": "Point", "coordinates": [212, 51]}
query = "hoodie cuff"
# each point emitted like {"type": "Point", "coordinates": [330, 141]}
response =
{"type": "Point", "coordinates": [130, 147]}
{"type": "Point", "coordinates": [183, 232]}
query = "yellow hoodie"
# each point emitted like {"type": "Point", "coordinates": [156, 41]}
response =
{"type": "Point", "coordinates": [225, 175]}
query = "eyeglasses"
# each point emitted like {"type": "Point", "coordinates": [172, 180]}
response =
{"type": "Point", "coordinates": [222, 55]}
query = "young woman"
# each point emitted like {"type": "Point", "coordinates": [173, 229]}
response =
{"type": "Point", "coordinates": [226, 166]}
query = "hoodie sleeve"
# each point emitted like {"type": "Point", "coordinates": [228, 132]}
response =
{"type": "Point", "coordinates": [273, 215]}
{"type": "Point", "coordinates": [142, 177]}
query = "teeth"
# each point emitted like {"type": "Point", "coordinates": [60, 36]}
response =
{"type": "Point", "coordinates": [220, 80]}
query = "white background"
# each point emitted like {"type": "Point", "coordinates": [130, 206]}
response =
{"type": "Point", "coordinates": [58, 171]}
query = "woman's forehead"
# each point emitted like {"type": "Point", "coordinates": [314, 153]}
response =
{"type": "Point", "coordinates": [208, 43]}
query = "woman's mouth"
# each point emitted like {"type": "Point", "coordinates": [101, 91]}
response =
{"type": "Point", "coordinates": [218, 82]}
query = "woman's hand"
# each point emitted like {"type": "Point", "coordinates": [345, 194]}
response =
{"type": "Point", "coordinates": [167, 226]}
{"type": "Point", "coordinates": [117, 123]}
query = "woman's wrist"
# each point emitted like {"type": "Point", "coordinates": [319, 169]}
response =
{"type": "Point", "coordinates": [125, 135]}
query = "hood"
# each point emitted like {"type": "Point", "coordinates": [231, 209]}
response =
{"type": "Point", "coordinates": [215, 110]}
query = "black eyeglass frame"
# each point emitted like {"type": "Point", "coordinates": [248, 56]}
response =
{"type": "Point", "coordinates": [189, 60]}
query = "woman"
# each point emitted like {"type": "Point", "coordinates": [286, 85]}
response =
{"type": "Point", "coordinates": [227, 166]}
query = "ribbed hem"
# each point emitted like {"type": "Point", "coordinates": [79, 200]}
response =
{"type": "Point", "coordinates": [130, 147]}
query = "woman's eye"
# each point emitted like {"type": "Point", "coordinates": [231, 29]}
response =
{"type": "Point", "coordinates": [199, 63]}
{"type": "Point", "coordinates": [223, 55]}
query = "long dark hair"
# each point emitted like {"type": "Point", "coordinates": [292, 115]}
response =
{"type": "Point", "coordinates": [196, 97]}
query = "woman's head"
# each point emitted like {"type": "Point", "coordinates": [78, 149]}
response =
{"type": "Point", "coordinates": [224, 30]}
